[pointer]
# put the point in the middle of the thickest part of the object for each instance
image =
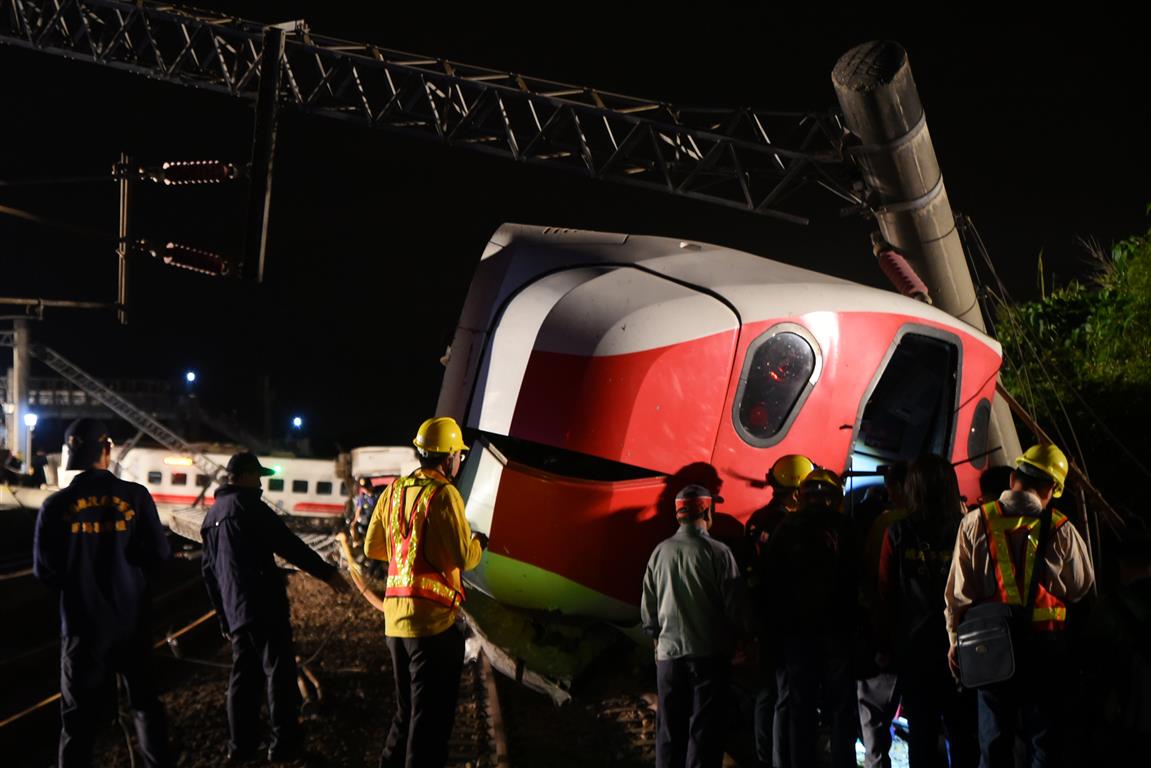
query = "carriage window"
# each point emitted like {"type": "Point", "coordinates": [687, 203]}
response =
{"type": "Point", "coordinates": [275, 484]}
{"type": "Point", "coordinates": [776, 375]}
{"type": "Point", "coordinates": [179, 478]}
{"type": "Point", "coordinates": [912, 409]}
{"type": "Point", "coordinates": [977, 438]}
{"type": "Point", "coordinates": [203, 481]}
{"type": "Point", "coordinates": [323, 488]}
{"type": "Point", "coordinates": [155, 478]}
{"type": "Point", "coordinates": [343, 488]}
{"type": "Point", "coordinates": [299, 486]}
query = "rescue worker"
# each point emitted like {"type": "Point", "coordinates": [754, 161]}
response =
{"type": "Point", "coordinates": [995, 551]}
{"type": "Point", "coordinates": [812, 575]}
{"type": "Point", "coordinates": [877, 688]}
{"type": "Point", "coordinates": [241, 536]}
{"type": "Point", "coordinates": [693, 607]}
{"type": "Point", "coordinates": [912, 570]}
{"type": "Point", "coordinates": [98, 541]}
{"type": "Point", "coordinates": [772, 700]}
{"type": "Point", "coordinates": [420, 529]}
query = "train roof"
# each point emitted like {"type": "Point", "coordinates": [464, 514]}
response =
{"type": "Point", "coordinates": [754, 288]}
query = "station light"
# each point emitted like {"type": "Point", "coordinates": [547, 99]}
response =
{"type": "Point", "coordinates": [190, 377]}
{"type": "Point", "coordinates": [30, 420]}
{"type": "Point", "coordinates": [297, 422]}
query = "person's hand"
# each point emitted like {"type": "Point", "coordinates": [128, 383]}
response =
{"type": "Point", "coordinates": [953, 661]}
{"type": "Point", "coordinates": [482, 538]}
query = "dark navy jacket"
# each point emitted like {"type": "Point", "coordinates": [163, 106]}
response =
{"type": "Point", "coordinates": [241, 536]}
{"type": "Point", "coordinates": [95, 541]}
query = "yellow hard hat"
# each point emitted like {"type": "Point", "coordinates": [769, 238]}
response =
{"type": "Point", "coordinates": [1046, 462]}
{"type": "Point", "coordinates": [439, 435]}
{"type": "Point", "coordinates": [821, 486]}
{"type": "Point", "coordinates": [822, 477]}
{"type": "Point", "coordinates": [788, 471]}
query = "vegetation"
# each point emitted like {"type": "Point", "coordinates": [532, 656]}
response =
{"type": "Point", "coordinates": [1079, 357]}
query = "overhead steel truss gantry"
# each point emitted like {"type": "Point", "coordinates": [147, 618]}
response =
{"type": "Point", "coordinates": [748, 159]}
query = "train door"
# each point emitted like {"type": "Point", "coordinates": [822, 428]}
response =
{"type": "Point", "coordinates": [910, 408]}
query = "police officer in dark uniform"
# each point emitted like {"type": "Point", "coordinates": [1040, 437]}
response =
{"type": "Point", "coordinates": [97, 541]}
{"type": "Point", "coordinates": [241, 537]}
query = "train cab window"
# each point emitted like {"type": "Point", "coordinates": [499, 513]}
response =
{"type": "Point", "coordinates": [179, 478]}
{"type": "Point", "coordinates": [911, 410]}
{"type": "Point", "coordinates": [977, 437]}
{"type": "Point", "coordinates": [203, 481]}
{"type": "Point", "coordinates": [275, 484]}
{"type": "Point", "coordinates": [323, 488]}
{"type": "Point", "coordinates": [780, 368]}
{"type": "Point", "coordinates": [299, 486]}
{"type": "Point", "coordinates": [155, 478]}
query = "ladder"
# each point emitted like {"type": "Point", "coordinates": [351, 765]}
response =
{"type": "Point", "coordinates": [125, 410]}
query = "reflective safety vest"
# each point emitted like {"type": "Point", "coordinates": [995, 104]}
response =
{"type": "Point", "coordinates": [1014, 537]}
{"type": "Point", "coordinates": [409, 572]}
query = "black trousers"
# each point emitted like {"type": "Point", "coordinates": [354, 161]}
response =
{"type": "Point", "coordinates": [816, 664]}
{"type": "Point", "coordinates": [263, 662]}
{"type": "Point", "coordinates": [878, 697]}
{"type": "Point", "coordinates": [1035, 697]}
{"type": "Point", "coordinates": [427, 671]}
{"type": "Point", "coordinates": [87, 698]}
{"type": "Point", "coordinates": [689, 724]}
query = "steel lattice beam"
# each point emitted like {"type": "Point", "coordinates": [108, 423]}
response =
{"type": "Point", "coordinates": [742, 158]}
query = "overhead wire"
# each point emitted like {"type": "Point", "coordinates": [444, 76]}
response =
{"type": "Point", "coordinates": [1021, 333]}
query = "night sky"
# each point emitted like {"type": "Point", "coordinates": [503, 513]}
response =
{"type": "Point", "coordinates": [1041, 133]}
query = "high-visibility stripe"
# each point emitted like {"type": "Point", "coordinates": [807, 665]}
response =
{"type": "Point", "coordinates": [409, 575]}
{"type": "Point", "coordinates": [1048, 613]}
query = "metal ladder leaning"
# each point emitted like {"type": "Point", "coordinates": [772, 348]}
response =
{"type": "Point", "coordinates": [125, 410]}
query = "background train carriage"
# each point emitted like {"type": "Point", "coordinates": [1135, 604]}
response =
{"type": "Point", "coordinates": [301, 487]}
{"type": "Point", "coordinates": [601, 370]}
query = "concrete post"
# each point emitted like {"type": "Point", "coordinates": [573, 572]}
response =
{"type": "Point", "coordinates": [18, 388]}
{"type": "Point", "coordinates": [881, 106]}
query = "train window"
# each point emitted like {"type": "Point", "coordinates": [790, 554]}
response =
{"type": "Point", "coordinates": [179, 478]}
{"type": "Point", "coordinates": [911, 410]}
{"type": "Point", "coordinates": [203, 481]}
{"type": "Point", "coordinates": [155, 478]}
{"type": "Point", "coordinates": [977, 437]}
{"type": "Point", "coordinates": [323, 488]}
{"type": "Point", "coordinates": [343, 488]}
{"type": "Point", "coordinates": [299, 486]}
{"type": "Point", "coordinates": [780, 368]}
{"type": "Point", "coordinates": [275, 484]}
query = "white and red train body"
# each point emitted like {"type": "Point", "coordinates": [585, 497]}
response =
{"type": "Point", "coordinates": [300, 487]}
{"type": "Point", "coordinates": [603, 372]}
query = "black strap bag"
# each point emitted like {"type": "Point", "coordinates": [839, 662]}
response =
{"type": "Point", "coordinates": [986, 654]}
{"type": "Point", "coordinates": [985, 650]}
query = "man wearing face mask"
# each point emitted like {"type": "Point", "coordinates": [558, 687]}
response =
{"type": "Point", "coordinates": [419, 528]}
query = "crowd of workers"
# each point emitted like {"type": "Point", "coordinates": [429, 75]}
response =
{"type": "Point", "coordinates": [847, 618]}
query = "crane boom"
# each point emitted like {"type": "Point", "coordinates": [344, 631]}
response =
{"type": "Point", "coordinates": [747, 159]}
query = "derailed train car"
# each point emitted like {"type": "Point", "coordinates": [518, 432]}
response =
{"type": "Point", "coordinates": [601, 372]}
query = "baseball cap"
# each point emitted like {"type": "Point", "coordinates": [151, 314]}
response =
{"type": "Point", "coordinates": [246, 462]}
{"type": "Point", "coordinates": [85, 439]}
